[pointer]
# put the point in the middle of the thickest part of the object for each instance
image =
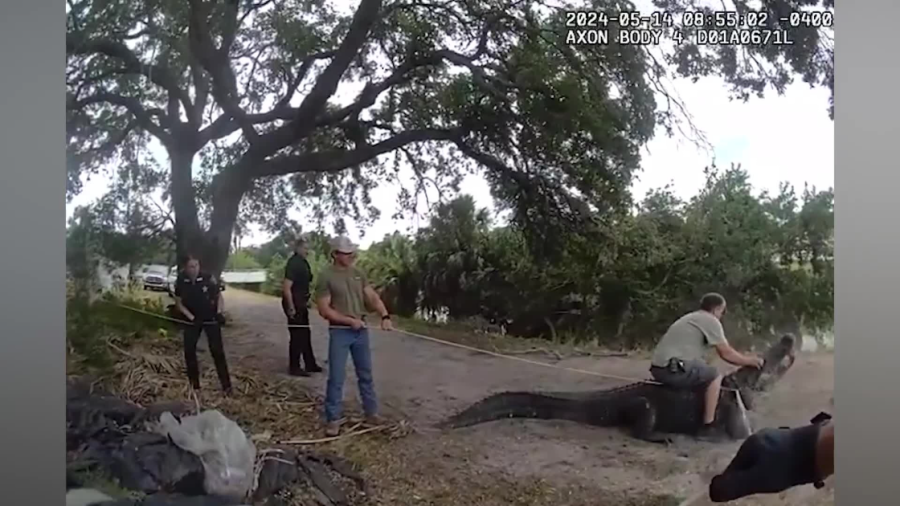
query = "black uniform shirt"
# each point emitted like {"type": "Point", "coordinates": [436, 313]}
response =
{"type": "Point", "coordinates": [199, 295]}
{"type": "Point", "coordinates": [298, 271]}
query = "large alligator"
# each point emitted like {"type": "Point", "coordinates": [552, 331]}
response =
{"type": "Point", "coordinates": [648, 409]}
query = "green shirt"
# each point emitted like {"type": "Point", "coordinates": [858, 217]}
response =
{"type": "Point", "coordinates": [688, 338]}
{"type": "Point", "coordinates": [345, 286]}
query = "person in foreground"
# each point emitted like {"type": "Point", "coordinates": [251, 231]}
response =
{"type": "Point", "coordinates": [199, 298]}
{"type": "Point", "coordinates": [678, 360]}
{"type": "Point", "coordinates": [342, 297]}
{"type": "Point", "coordinates": [295, 296]}
{"type": "Point", "coordinates": [774, 460]}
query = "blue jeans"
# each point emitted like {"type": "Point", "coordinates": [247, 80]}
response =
{"type": "Point", "coordinates": [342, 342]}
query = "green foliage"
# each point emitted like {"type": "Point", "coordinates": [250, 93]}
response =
{"type": "Point", "coordinates": [274, 254]}
{"type": "Point", "coordinates": [318, 261]}
{"type": "Point", "coordinates": [92, 324]}
{"type": "Point", "coordinates": [274, 275]}
{"type": "Point", "coordinates": [555, 128]}
{"type": "Point", "coordinates": [281, 245]}
{"type": "Point", "coordinates": [103, 482]}
{"type": "Point", "coordinates": [242, 260]}
{"type": "Point", "coordinates": [92, 321]}
{"type": "Point", "coordinates": [100, 236]}
{"type": "Point", "coordinates": [771, 256]}
{"type": "Point", "coordinates": [391, 266]}
{"type": "Point", "coordinates": [83, 254]}
{"type": "Point", "coordinates": [449, 258]}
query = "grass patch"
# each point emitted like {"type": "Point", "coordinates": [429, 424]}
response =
{"type": "Point", "coordinates": [91, 325]}
{"type": "Point", "coordinates": [461, 333]}
{"type": "Point", "coordinates": [102, 482]}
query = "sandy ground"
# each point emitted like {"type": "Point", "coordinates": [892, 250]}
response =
{"type": "Point", "coordinates": [424, 382]}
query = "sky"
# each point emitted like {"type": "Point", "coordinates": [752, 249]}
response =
{"type": "Point", "coordinates": [786, 138]}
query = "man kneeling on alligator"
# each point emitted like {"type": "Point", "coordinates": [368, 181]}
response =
{"type": "Point", "coordinates": [678, 361]}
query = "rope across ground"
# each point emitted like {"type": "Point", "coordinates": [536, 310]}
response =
{"type": "Point", "coordinates": [516, 462]}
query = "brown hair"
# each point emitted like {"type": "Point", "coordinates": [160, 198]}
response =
{"type": "Point", "coordinates": [711, 301]}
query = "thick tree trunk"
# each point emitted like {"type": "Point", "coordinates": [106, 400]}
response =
{"type": "Point", "coordinates": [188, 233]}
{"type": "Point", "coordinates": [211, 246]}
{"type": "Point", "coordinates": [228, 190]}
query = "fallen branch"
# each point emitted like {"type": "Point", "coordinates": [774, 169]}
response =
{"type": "Point", "coordinates": [334, 438]}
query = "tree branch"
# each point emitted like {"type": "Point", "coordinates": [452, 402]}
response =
{"type": "Point", "coordinates": [366, 15]}
{"type": "Point", "coordinates": [370, 93]}
{"type": "Point", "coordinates": [491, 162]}
{"type": "Point", "coordinates": [301, 74]}
{"type": "Point", "coordinates": [225, 125]}
{"type": "Point", "coordinates": [253, 7]}
{"type": "Point", "coordinates": [338, 160]}
{"type": "Point", "coordinates": [231, 25]}
{"type": "Point", "coordinates": [161, 76]}
{"type": "Point", "coordinates": [201, 92]}
{"type": "Point", "coordinates": [143, 116]}
{"type": "Point", "coordinates": [313, 104]}
{"type": "Point", "coordinates": [217, 64]}
{"type": "Point", "coordinates": [559, 197]}
{"type": "Point", "coordinates": [478, 73]}
{"type": "Point", "coordinates": [106, 147]}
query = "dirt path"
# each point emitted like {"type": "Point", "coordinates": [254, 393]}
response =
{"type": "Point", "coordinates": [424, 382]}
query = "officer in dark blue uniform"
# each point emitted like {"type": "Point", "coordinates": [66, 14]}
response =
{"type": "Point", "coordinates": [199, 298]}
{"type": "Point", "coordinates": [294, 299]}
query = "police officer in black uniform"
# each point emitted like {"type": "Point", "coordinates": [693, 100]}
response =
{"type": "Point", "coordinates": [294, 299]}
{"type": "Point", "coordinates": [199, 298]}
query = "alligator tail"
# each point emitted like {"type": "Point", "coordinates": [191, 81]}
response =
{"type": "Point", "coordinates": [517, 405]}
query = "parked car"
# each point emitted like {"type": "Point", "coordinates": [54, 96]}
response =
{"type": "Point", "coordinates": [154, 280]}
{"type": "Point", "coordinates": [172, 277]}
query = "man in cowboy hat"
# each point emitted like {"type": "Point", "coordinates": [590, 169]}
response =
{"type": "Point", "coordinates": [343, 297]}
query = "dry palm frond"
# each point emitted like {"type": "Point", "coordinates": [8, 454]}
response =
{"type": "Point", "coordinates": [279, 409]}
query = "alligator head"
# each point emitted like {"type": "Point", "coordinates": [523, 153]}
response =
{"type": "Point", "coordinates": [749, 381]}
{"type": "Point", "coordinates": [742, 386]}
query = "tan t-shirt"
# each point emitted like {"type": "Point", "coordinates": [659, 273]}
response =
{"type": "Point", "coordinates": [345, 285]}
{"type": "Point", "coordinates": [688, 338]}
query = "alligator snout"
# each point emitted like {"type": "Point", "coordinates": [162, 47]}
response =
{"type": "Point", "coordinates": [783, 349]}
{"type": "Point", "coordinates": [788, 341]}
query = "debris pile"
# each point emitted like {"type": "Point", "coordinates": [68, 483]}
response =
{"type": "Point", "coordinates": [123, 440]}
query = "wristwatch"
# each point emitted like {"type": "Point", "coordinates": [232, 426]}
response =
{"type": "Point", "coordinates": [386, 317]}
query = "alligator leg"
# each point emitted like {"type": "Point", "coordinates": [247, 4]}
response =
{"type": "Point", "coordinates": [640, 418]}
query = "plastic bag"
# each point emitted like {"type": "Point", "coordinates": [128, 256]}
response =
{"type": "Point", "coordinates": [227, 454]}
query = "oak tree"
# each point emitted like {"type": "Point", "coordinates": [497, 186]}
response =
{"type": "Point", "coordinates": [287, 102]}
